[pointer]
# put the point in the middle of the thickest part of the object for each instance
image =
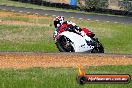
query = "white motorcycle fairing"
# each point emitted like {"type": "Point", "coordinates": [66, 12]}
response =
{"type": "Point", "coordinates": [79, 42]}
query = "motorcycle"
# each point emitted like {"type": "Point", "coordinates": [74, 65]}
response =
{"type": "Point", "coordinates": [71, 41]}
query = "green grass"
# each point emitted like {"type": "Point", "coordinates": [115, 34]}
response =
{"type": "Point", "coordinates": [23, 38]}
{"type": "Point", "coordinates": [57, 77]}
{"type": "Point", "coordinates": [116, 38]}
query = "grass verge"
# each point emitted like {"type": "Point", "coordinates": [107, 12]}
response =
{"type": "Point", "coordinates": [57, 77]}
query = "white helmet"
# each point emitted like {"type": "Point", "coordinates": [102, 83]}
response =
{"type": "Point", "coordinates": [58, 20]}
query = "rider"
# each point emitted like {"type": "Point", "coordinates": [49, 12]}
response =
{"type": "Point", "coordinates": [61, 25]}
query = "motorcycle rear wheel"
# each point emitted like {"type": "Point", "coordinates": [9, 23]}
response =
{"type": "Point", "coordinates": [98, 48]}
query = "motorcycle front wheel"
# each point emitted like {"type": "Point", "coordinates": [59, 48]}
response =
{"type": "Point", "coordinates": [64, 44]}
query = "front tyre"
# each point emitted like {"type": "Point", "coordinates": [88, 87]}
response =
{"type": "Point", "coordinates": [64, 44]}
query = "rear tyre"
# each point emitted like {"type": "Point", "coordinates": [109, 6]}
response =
{"type": "Point", "coordinates": [98, 48]}
{"type": "Point", "coordinates": [64, 44]}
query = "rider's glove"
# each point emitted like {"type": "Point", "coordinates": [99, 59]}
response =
{"type": "Point", "coordinates": [58, 25]}
{"type": "Point", "coordinates": [55, 34]}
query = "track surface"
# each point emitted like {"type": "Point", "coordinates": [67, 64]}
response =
{"type": "Point", "coordinates": [19, 60]}
{"type": "Point", "coordinates": [106, 18]}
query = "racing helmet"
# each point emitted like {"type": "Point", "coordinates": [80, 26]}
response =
{"type": "Point", "coordinates": [58, 21]}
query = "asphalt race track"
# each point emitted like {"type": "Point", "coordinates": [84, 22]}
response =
{"type": "Point", "coordinates": [94, 17]}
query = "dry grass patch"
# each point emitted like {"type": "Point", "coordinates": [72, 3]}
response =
{"type": "Point", "coordinates": [22, 23]}
{"type": "Point", "coordinates": [6, 13]}
{"type": "Point", "coordinates": [3, 13]}
{"type": "Point", "coordinates": [31, 18]}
